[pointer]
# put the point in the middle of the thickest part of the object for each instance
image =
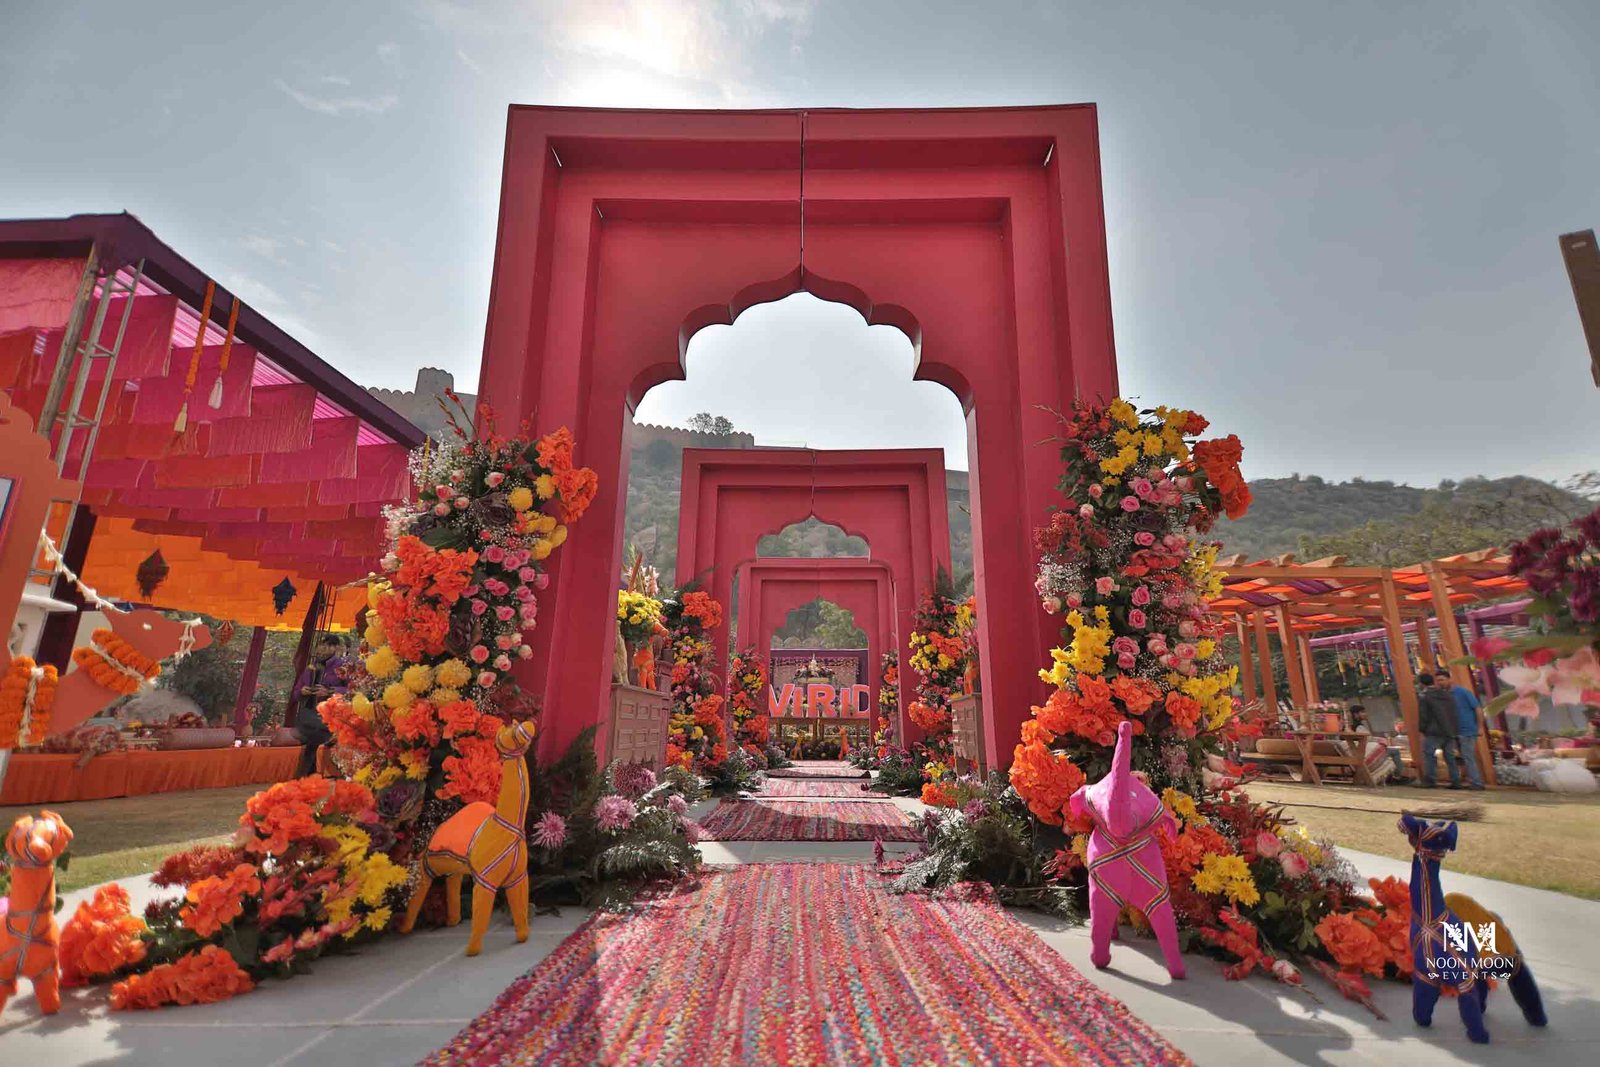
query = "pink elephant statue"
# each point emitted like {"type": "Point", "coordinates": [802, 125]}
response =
{"type": "Point", "coordinates": [1125, 863]}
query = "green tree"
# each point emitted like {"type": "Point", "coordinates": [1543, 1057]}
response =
{"type": "Point", "coordinates": [705, 422]}
{"type": "Point", "coordinates": [820, 624]}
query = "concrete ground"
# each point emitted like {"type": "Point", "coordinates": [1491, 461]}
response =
{"type": "Point", "coordinates": [398, 1000]}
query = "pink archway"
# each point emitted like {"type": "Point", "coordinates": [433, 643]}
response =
{"type": "Point", "coordinates": [978, 232]}
{"type": "Point", "coordinates": [893, 498]}
{"type": "Point", "coordinates": [770, 588]}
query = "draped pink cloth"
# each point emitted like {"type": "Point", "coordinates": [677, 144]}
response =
{"type": "Point", "coordinates": [37, 293]}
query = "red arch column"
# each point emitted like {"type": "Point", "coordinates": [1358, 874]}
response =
{"type": "Point", "coordinates": [980, 233]}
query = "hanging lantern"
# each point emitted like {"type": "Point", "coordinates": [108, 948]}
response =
{"type": "Point", "coordinates": [225, 633]}
{"type": "Point", "coordinates": [282, 594]}
{"type": "Point", "coordinates": [151, 573]}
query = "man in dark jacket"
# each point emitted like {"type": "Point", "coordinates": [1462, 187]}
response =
{"type": "Point", "coordinates": [1436, 717]}
{"type": "Point", "coordinates": [324, 676]}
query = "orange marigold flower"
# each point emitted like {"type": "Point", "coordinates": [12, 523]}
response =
{"type": "Point", "coordinates": [474, 774]}
{"type": "Point", "coordinates": [575, 490]}
{"type": "Point", "coordinates": [101, 938]}
{"type": "Point", "coordinates": [1184, 712]}
{"type": "Point", "coordinates": [700, 605]}
{"type": "Point", "coordinates": [1136, 694]}
{"type": "Point", "coordinates": [1045, 780]}
{"type": "Point", "coordinates": [935, 795]}
{"type": "Point", "coordinates": [215, 902]}
{"type": "Point", "coordinates": [418, 723]}
{"type": "Point", "coordinates": [202, 977]}
{"type": "Point", "coordinates": [1393, 893]}
{"type": "Point", "coordinates": [460, 717]}
{"type": "Point", "coordinates": [555, 450]}
{"type": "Point", "coordinates": [1352, 943]}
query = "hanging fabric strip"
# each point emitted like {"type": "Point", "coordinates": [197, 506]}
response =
{"type": "Point", "coordinates": [215, 400]}
{"type": "Point", "coordinates": [182, 422]}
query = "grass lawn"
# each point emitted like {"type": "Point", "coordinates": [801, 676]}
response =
{"type": "Point", "coordinates": [127, 836]}
{"type": "Point", "coordinates": [1545, 840]}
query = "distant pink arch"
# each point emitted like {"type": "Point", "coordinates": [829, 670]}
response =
{"type": "Point", "coordinates": [771, 587]}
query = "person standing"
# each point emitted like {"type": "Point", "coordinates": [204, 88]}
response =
{"type": "Point", "coordinates": [1466, 703]}
{"type": "Point", "coordinates": [1436, 720]}
{"type": "Point", "coordinates": [320, 680]}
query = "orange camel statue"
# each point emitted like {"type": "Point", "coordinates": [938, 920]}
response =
{"type": "Point", "coordinates": [486, 841]}
{"type": "Point", "coordinates": [28, 934]}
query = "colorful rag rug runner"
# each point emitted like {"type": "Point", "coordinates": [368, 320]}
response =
{"type": "Point", "coordinates": [816, 787]}
{"type": "Point", "coordinates": [809, 820]}
{"type": "Point", "coordinates": [805, 964]}
{"type": "Point", "coordinates": [820, 769]}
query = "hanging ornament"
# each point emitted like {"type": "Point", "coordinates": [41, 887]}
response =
{"type": "Point", "coordinates": [225, 633]}
{"type": "Point", "coordinates": [151, 573]}
{"type": "Point", "coordinates": [282, 594]}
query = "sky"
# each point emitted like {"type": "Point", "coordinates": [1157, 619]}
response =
{"type": "Point", "coordinates": [1332, 228]}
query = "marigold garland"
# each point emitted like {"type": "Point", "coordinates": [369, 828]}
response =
{"type": "Point", "coordinates": [114, 664]}
{"type": "Point", "coordinates": [27, 696]}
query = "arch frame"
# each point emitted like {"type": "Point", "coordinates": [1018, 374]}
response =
{"type": "Point", "coordinates": [978, 231]}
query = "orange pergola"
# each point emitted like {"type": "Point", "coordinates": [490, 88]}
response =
{"type": "Point", "coordinates": [1295, 600]}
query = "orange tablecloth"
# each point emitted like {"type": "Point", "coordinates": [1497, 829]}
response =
{"type": "Point", "coordinates": [50, 779]}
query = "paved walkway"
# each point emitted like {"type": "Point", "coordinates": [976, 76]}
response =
{"type": "Point", "coordinates": [400, 999]}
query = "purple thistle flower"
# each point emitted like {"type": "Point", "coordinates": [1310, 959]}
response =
{"type": "Point", "coordinates": [550, 832]}
{"type": "Point", "coordinates": [614, 813]}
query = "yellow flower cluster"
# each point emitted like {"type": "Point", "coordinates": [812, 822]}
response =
{"type": "Point", "coordinates": [1299, 840]}
{"type": "Point", "coordinates": [1134, 441]}
{"type": "Point", "coordinates": [1182, 805]}
{"type": "Point", "coordinates": [1214, 692]}
{"type": "Point", "coordinates": [368, 878]}
{"type": "Point", "coordinates": [1200, 569]}
{"type": "Point", "coordinates": [452, 674]}
{"type": "Point", "coordinates": [418, 678]}
{"type": "Point", "coordinates": [383, 663]}
{"type": "Point", "coordinates": [1229, 876]}
{"type": "Point", "coordinates": [1091, 643]}
{"type": "Point", "coordinates": [637, 609]}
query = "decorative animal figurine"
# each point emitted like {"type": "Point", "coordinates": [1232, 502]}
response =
{"type": "Point", "coordinates": [1126, 867]}
{"type": "Point", "coordinates": [486, 841]}
{"type": "Point", "coordinates": [1466, 973]}
{"type": "Point", "coordinates": [28, 934]}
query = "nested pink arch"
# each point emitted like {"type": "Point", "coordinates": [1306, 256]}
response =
{"type": "Point", "coordinates": [980, 232]}
{"type": "Point", "coordinates": [770, 588]}
{"type": "Point", "coordinates": [892, 498]}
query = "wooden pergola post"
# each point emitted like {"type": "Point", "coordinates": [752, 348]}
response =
{"type": "Point", "coordinates": [1269, 685]}
{"type": "Point", "coordinates": [1430, 664]}
{"type": "Point", "coordinates": [1308, 661]}
{"type": "Point", "coordinates": [1247, 664]}
{"type": "Point", "coordinates": [1405, 682]}
{"type": "Point", "coordinates": [1291, 659]}
{"type": "Point", "coordinates": [1455, 650]}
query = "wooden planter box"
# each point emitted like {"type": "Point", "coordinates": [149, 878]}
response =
{"type": "Point", "coordinates": [966, 725]}
{"type": "Point", "coordinates": [638, 726]}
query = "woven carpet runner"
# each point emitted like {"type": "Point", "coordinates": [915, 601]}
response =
{"type": "Point", "coordinates": [820, 769]}
{"type": "Point", "coordinates": [805, 964]}
{"type": "Point", "coordinates": [808, 820]}
{"type": "Point", "coordinates": [816, 787]}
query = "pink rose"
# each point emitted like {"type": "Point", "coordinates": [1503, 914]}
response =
{"type": "Point", "coordinates": [1172, 601]}
{"type": "Point", "coordinates": [1141, 595]}
{"type": "Point", "coordinates": [443, 492]}
{"type": "Point", "coordinates": [479, 607]}
{"type": "Point", "coordinates": [1126, 661]}
{"type": "Point", "coordinates": [1144, 538]}
{"type": "Point", "coordinates": [441, 509]}
{"type": "Point", "coordinates": [462, 502]}
{"type": "Point", "coordinates": [523, 593]}
{"type": "Point", "coordinates": [1169, 660]}
{"type": "Point", "coordinates": [1104, 585]}
{"type": "Point", "coordinates": [494, 554]}
{"type": "Point", "coordinates": [1074, 601]}
{"type": "Point", "coordinates": [1142, 486]}
{"type": "Point", "coordinates": [1125, 646]}
{"type": "Point", "coordinates": [1130, 503]}
{"type": "Point", "coordinates": [1156, 643]}
{"type": "Point", "coordinates": [503, 662]}
{"type": "Point", "coordinates": [1096, 491]}
{"type": "Point", "coordinates": [527, 574]}
{"type": "Point", "coordinates": [1052, 604]}
{"type": "Point", "coordinates": [541, 581]}
{"type": "Point", "coordinates": [1187, 628]}
{"type": "Point", "coordinates": [1137, 619]}
{"type": "Point", "coordinates": [1086, 511]}
{"type": "Point", "coordinates": [471, 590]}
{"type": "Point", "coordinates": [493, 479]}
{"type": "Point", "coordinates": [1107, 738]}
{"type": "Point", "coordinates": [1184, 650]}
{"type": "Point", "coordinates": [504, 612]}
{"type": "Point", "coordinates": [479, 654]}
{"type": "Point", "coordinates": [505, 642]}
{"type": "Point", "coordinates": [525, 652]}
{"type": "Point", "coordinates": [486, 679]}
{"type": "Point", "coordinates": [530, 611]}
{"type": "Point", "coordinates": [1294, 865]}
{"type": "Point", "coordinates": [457, 476]}
{"type": "Point", "coordinates": [1267, 844]}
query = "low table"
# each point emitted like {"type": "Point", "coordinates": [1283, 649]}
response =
{"type": "Point", "coordinates": [1305, 741]}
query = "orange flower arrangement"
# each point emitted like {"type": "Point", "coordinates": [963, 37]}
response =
{"type": "Point", "coordinates": [701, 605]}
{"type": "Point", "coordinates": [1184, 712]}
{"type": "Point", "coordinates": [1350, 940]}
{"type": "Point", "coordinates": [555, 450]}
{"type": "Point", "coordinates": [101, 938]}
{"type": "Point", "coordinates": [475, 773]}
{"type": "Point", "coordinates": [1220, 460]}
{"type": "Point", "coordinates": [286, 813]}
{"type": "Point", "coordinates": [575, 489]}
{"type": "Point", "coordinates": [417, 723]}
{"type": "Point", "coordinates": [937, 795]}
{"type": "Point", "coordinates": [217, 901]}
{"type": "Point", "coordinates": [1046, 780]}
{"type": "Point", "coordinates": [460, 717]}
{"type": "Point", "coordinates": [114, 664]}
{"type": "Point", "coordinates": [929, 717]}
{"type": "Point", "coordinates": [17, 706]}
{"type": "Point", "coordinates": [202, 977]}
